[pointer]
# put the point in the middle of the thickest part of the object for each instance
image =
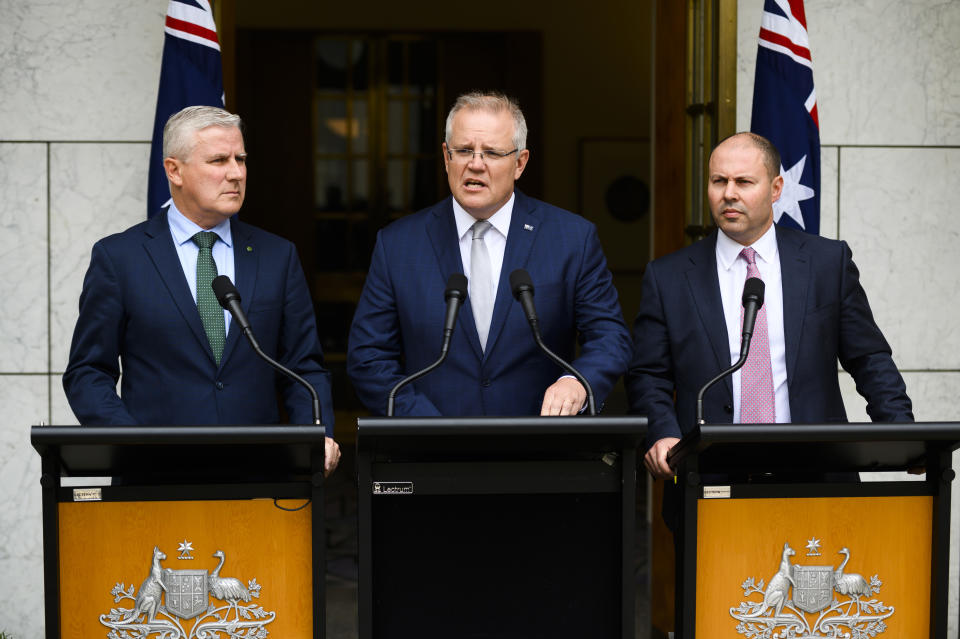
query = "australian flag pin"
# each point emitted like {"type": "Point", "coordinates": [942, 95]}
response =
{"type": "Point", "coordinates": [527, 227]}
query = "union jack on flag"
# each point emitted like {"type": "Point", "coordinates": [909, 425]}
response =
{"type": "Point", "coordinates": [190, 74]}
{"type": "Point", "coordinates": [785, 111]}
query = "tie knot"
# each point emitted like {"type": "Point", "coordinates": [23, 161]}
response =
{"type": "Point", "coordinates": [204, 239]}
{"type": "Point", "coordinates": [479, 228]}
{"type": "Point", "coordinates": [749, 255]}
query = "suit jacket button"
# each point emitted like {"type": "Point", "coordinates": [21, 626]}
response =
{"type": "Point", "coordinates": [727, 408]}
{"type": "Point", "coordinates": [219, 385]}
{"type": "Point", "coordinates": [485, 382]}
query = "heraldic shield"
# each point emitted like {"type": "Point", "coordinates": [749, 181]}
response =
{"type": "Point", "coordinates": [187, 592]}
{"type": "Point", "coordinates": [813, 589]}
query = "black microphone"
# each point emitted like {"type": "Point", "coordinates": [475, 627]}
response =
{"type": "Point", "coordinates": [454, 295]}
{"type": "Point", "coordinates": [752, 301]}
{"type": "Point", "coordinates": [522, 287]}
{"type": "Point", "coordinates": [229, 298]}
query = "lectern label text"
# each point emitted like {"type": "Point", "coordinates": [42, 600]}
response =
{"type": "Point", "coordinates": [393, 488]}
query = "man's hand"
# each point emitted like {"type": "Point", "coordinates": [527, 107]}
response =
{"type": "Point", "coordinates": [564, 397]}
{"type": "Point", "coordinates": [331, 456]}
{"type": "Point", "coordinates": [656, 458]}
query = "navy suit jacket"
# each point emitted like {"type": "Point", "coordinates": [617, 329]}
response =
{"type": "Point", "coordinates": [136, 308]}
{"type": "Point", "coordinates": [398, 325]}
{"type": "Point", "coordinates": [680, 338]}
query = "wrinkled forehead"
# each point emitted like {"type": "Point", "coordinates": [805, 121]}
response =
{"type": "Point", "coordinates": [217, 139]}
{"type": "Point", "coordinates": [736, 157]}
{"type": "Point", "coordinates": [482, 121]}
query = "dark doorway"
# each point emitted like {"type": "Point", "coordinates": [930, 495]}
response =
{"type": "Point", "coordinates": [344, 134]}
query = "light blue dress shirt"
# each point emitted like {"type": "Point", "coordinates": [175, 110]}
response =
{"type": "Point", "coordinates": [182, 231]}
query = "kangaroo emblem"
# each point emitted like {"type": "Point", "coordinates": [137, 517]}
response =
{"type": "Point", "coordinates": [775, 596]}
{"type": "Point", "coordinates": [151, 590]}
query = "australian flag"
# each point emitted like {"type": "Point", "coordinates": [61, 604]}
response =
{"type": "Point", "coordinates": [190, 74]}
{"type": "Point", "coordinates": [785, 111]}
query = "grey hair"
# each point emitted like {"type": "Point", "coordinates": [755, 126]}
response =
{"type": "Point", "coordinates": [494, 102]}
{"type": "Point", "coordinates": [178, 131]}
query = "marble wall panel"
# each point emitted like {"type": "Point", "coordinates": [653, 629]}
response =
{"type": "Point", "coordinates": [884, 70]}
{"type": "Point", "coordinates": [81, 70]}
{"type": "Point", "coordinates": [749, 13]}
{"type": "Point", "coordinates": [898, 213]}
{"type": "Point", "coordinates": [23, 258]}
{"type": "Point", "coordinates": [933, 393]}
{"type": "Point", "coordinates": [829, 190]}
{"type": "Point", "coordinates": [24, 402]}
{"type": "Point", "coordinates": [96, 190]}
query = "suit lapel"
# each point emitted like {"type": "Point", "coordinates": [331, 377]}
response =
{"type": "Point", "coordinates": [705, 291]}
{"type": "Point", "coordinates": [524, 225]}
{"type": "Point", "coordinates": [159, 246]}
{"type": "Point", "coordinates": [245, 260]}
{"type": "Point", "coordinates": [794, 278]}
{"type": "Point", "coordinates": [442, 230]}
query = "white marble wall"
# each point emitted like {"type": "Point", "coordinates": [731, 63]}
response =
{"type": "Point", "coordinates": [78, 82]}
{"type": "Point", "coordinates": [888, 95]}
{"type": "Point", "coordinates": [23, 258]}
{"type": "Point", "coordinates": [23, 399]}
{"type": "Point", "coordinates": [79, 70]}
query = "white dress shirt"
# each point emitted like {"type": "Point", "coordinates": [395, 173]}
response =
{"type": "Point", "coordinates": [495, 238]}
{"type": "Point", "coordinates": [732, 272]}
{"type": "Point", "coordinates": [183, 231]}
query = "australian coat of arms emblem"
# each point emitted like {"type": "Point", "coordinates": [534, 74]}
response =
{"type": "Point", "coordinates": [804, 602]}
{"type": "Point", "coordinates": [167, 599]}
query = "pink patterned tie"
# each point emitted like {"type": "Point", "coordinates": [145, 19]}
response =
{"type": "Point", "coordinates": [756, 377]}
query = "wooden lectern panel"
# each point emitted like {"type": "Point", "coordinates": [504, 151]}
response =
{"type": "Point", "coordinates": [886, 566]}
{"type": "Point", "coordinates": [103, 544]}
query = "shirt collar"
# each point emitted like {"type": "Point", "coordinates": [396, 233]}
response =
{"type": "Point", "coordinates": [184, 229]}
{"type": "Point", "coordinates": [728, 250]}
{"type": "Point", "coordinates": [499, 220]}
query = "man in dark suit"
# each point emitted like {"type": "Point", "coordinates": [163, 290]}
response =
{"type": "Point", "coordinates": [816, 313]}
{"type": "Point", "coordinates": [147, 308]}
{"type": "Point", "coordinates": [486, 229]}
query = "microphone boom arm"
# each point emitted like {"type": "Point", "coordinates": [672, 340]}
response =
{"type": "Point", "coordinates": [591, 404]}
{"type": "Point", "coordinates": [229, 298]}
{"type": "Point", "coordinates": [315, 398]}
{"type": "Point", "coordinates": [406, 380]}
{"type": "Point", "coordinates": [454, 295]}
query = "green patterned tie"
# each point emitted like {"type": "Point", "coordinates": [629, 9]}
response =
{"type": "Point", "coordinates": [211, 314]}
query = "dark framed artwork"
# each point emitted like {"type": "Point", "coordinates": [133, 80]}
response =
{"type": "Point", "coordinates": [615, 195]}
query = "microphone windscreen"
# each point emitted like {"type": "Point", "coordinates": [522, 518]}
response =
{"type": "Point", "coordinates": [520, 280]}
{"type": "Point", "coordinates": [456, 286]}
{"type": "Point", "coordinates": [753, 291]}
{"type": "Point", "coordinates": [224, 288]}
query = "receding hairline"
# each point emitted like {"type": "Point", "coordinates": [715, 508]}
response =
{"type": "Point", "coordinates": [768, 152]}
{"type": "Point", "coordinates": [491, 102]}
{"type": "Point", "coordinates": [181, 129]}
